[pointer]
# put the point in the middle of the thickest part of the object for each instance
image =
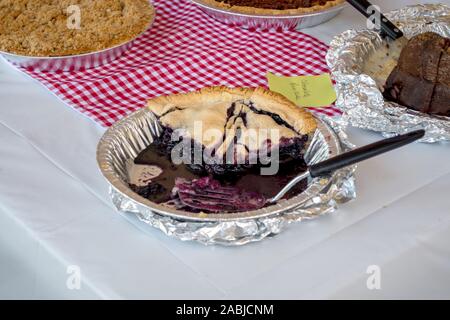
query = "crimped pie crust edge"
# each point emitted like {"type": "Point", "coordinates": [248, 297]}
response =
{"type": "Point", "coordinates": [302, 120]}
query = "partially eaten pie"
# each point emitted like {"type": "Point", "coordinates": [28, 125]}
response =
{"type": "Point", "coordinates": [218, 140]}
{"type": "Point", "coordinates": [270, 7]}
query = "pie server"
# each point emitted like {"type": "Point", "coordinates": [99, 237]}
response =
{"type": "Point", "coordinates": [326, 167]}
{"type": "Point", "coordinates": [388, 29]}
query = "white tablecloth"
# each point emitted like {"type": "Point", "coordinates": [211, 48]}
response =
{"type": "Point", "coordinates": [55, 212]}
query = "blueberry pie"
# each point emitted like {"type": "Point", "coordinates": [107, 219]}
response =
{"type": "Point", "coordinates": [270, 7]}
{"type": "Point", "coordinates": [217, 142]}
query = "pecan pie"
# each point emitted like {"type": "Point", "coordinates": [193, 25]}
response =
{"type": "Point", "coordinates": [223, 135]}
{"type": "Point", "coordinates": [270, 7]}
{"type": "Point", "coordinates": [48, 28]}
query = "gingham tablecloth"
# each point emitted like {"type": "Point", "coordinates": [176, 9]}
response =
{"type": "Point", "coordinates": [185, 50]}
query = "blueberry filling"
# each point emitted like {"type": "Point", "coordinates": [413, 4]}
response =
{"type": "Point", "coordinates": [243, 180]}
{"type": "Point", "coordinates": [220, 187]}
{"type": "Point", "coordinates": [274, 116]}
{"type": "Point", "coordinates": [153, 191]}
{"type": "Point", "coordinates": [208, 195]}
{"type": "Point", "coordinates": [289, 149]}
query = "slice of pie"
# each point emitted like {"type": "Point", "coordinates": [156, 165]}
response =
{"type": "Point", "coordinates": [234, 129]}
{"type": "Point", "coordinates": [270, 7]}
{"type": "Point", "coordinates": [213, 148]}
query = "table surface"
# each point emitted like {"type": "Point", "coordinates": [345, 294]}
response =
{"type": "Point", "coordinates": [55, 213]}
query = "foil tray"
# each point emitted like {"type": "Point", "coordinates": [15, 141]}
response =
{"type": "Point", "coordinates": [124, 140]}
{"type": "Point", "coordinates": [74, 62]}
{"type": "Point", "coordinates": [359, 96]}
{"type": "Point", "coordinates": [267, 22]}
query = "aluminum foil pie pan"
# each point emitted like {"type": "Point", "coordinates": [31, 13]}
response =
{"type": "Point", "coordinates": [78, 62]}
{"type": "Point", "coordinates": [359, 96]}
{"type": "Point", "coordinates": [266, 22]}
{"type": "Point", "coordinates": [128, 137]}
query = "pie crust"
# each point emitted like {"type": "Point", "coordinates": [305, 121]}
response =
{"type": "Point", "coordinates": [263, 11]}
{"type": "Point", "coordinates": [238, 112]}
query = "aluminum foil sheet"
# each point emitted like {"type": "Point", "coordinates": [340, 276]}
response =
{"type": "Point", "coordinates": [265, 22]}
{"type": "Point", "coordinates": [358, 94]}
{"type": "Point", "coordinates": [131, 135]}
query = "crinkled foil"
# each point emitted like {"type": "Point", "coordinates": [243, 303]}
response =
{"type": "Point", "coordinates": [128, 137]}
{"type": "Point", "coordinates": [358, 95]}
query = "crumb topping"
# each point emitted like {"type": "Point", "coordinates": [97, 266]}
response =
{"type": "Point", "coordinates": [40, 27]}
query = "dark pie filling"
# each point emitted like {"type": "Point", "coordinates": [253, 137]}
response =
{"type": "Point", "coordinates": [153, 191]}
{"type": "Point", "coordinates": [243, 187]}
{"type": "Point", "coordinates": [220, 186]}
{"type": "Point", "coordinates": [275, 5]}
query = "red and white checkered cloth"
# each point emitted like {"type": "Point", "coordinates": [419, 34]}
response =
{"type": "Point", "coordinates": [184, 51]}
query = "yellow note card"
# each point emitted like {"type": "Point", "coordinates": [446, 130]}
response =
{"type": "Point", "coordinates": [305, 91]}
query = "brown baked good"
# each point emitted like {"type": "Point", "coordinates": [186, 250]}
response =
{"type": "Point", "coordinates": [270, 7]}
{"type": "Point", "coordinates": [39, 27]}
{"type": "Point", "coordinates": [421, 80]}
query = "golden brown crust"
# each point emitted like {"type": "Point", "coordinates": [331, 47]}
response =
{"type": "Point", "coordinates": [39, 28]}
{"type": "Point", "coordinates": [220, 98]}
{"type": "Point", "coordinates": [262, 11]}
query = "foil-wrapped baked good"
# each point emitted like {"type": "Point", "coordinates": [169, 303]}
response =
{"type": "Point", "coordinates": [359, 93]}
{"type": "Point", "coordinates": [124, 140]}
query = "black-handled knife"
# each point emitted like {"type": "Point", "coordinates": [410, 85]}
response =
{"type": "Point", "coordinates": [364, 153]}
{"type": "Point", "coordinates": [326, 167]}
